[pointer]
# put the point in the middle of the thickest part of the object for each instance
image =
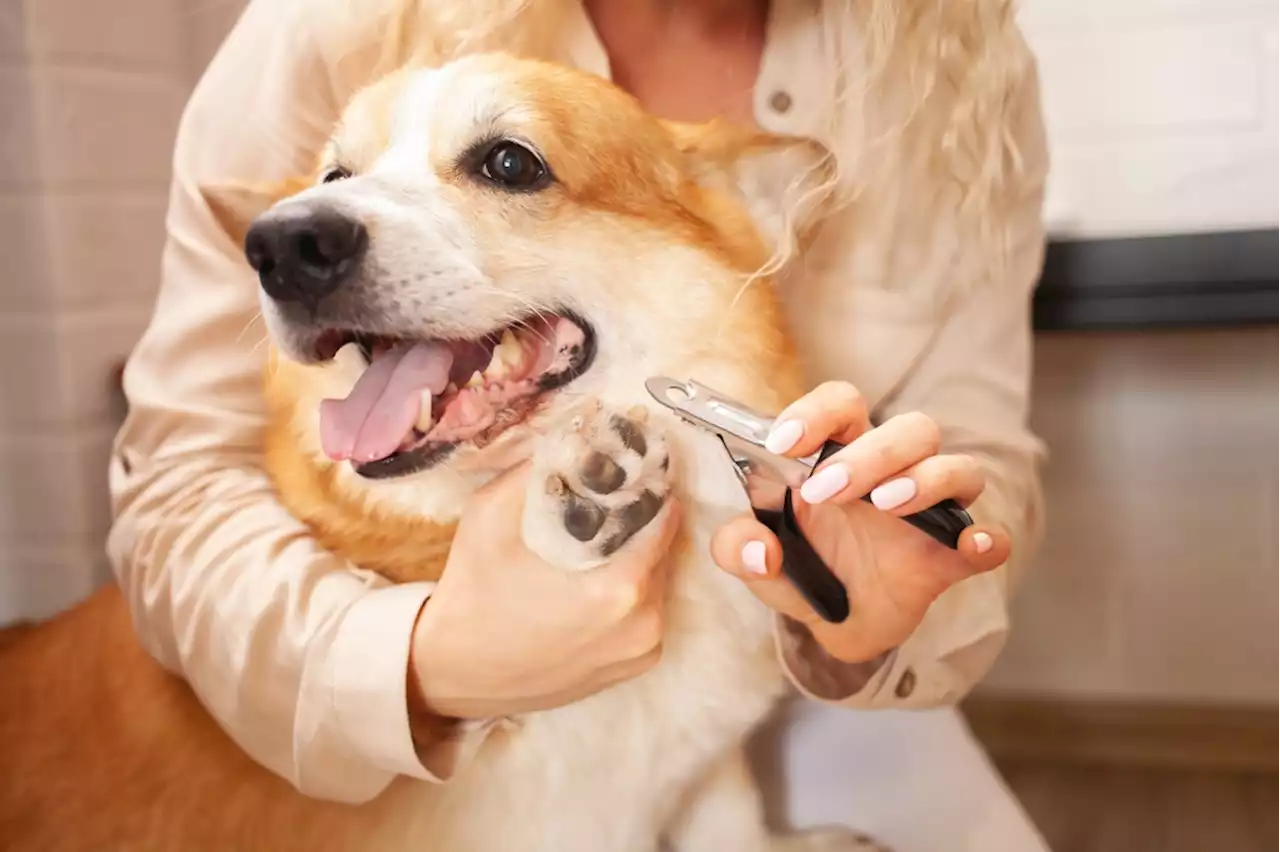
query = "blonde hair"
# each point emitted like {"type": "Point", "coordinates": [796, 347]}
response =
{"type": "Point", "coordinates": [963, 66]}
{"type": "Point", "coordinates": [926, 87]}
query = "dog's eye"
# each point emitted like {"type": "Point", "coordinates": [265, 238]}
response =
{"type": "Point", "coordinates": [335, 173]}
{"type": "Point", "coordinates": [513, 166]}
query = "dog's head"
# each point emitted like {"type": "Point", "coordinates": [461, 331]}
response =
{"type": "Point", "coordinates": [483, 242]}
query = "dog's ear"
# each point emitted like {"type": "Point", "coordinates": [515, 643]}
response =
{"type": "Point", "coordinates": [236, 205]}
{"type": "Point", "coordinates": [786, 181]}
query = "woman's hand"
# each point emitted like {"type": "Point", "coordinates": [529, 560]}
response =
{"type": "Point", "coordinates": [892, 571]}
{"type": "Point", "coordinates": [505, 632]}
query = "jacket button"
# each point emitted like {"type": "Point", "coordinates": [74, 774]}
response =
{"type": "Point", "coordinates": [906, 684]}
{"type": "Point", "coordinates": [780, 101]}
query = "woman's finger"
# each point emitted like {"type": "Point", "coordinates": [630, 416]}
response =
{"type": "Point", "coordinates": [831, 411]}
{"type": "Point", "coordinates": [929, 482]}
{"type": "Point", "coordinates": [899, 443]}
{"type": "Point", "coordinates": [984, 547]}
{"type": "Point", "coordinates": [980, 548]}
{"type": "Point", "coordinates": [747, 549]}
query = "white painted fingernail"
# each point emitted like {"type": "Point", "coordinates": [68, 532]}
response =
{"type": "Point", "coordinates": [825, 484]}
{"type": "Point", "coordinates": [893, 493]}
{"type": "Point", "coordinates": [982, 542]}
{"type": "Point", "coordinates": [753, 558]}
{"type": "Point", "coordinates": [783, 436]}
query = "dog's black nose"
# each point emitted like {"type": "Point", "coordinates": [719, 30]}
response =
{"type": "Point", "coordinates": [303, 252]}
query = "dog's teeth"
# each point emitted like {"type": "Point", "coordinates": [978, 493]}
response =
{"type": "Point", "coordinates": [423, 423]}
{"type": "Point", "coordinates": [497, 366]}
{"type": "Point", "coordinates": [476, 380]}
{"type": "Point", "coordinates": [510, 350]}
{"type": "Point", "coordinates": [350, 359]}
{"type": "Point", "coordinates": [507, 355]}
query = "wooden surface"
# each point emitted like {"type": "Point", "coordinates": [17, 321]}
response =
{"type": "Point", "coordinates": [1118, 809]}
{"type": "Point", "coordinates": [1126, 734]}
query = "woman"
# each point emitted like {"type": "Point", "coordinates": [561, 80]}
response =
{"type": "Point", "coordinates": [915, 293]}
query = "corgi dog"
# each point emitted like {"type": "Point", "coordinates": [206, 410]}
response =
{"type": "Point", "coordinates": [489, 260]}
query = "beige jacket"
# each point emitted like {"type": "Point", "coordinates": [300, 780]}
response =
{"type": "Point", "coordinates": [301, 658]}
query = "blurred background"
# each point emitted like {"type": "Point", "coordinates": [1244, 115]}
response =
{"type": "Point", "coordinates": [1141, 681]}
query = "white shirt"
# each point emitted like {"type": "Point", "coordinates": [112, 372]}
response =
{"type": "Point", "coordinates": [302, 659]}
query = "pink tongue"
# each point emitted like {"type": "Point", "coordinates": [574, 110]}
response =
{"type": "Point", "coordinates": [372, 422]}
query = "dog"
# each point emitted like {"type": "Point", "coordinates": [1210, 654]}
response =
{"type": "Point", "coordinates": [490, 259]}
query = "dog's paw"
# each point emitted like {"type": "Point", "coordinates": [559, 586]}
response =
{"type": "Point", "coordinates": [827, 840]}
{"type": "Point", "coordinates": [594, 486]}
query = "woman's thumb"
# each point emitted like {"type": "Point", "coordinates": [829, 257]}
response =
{"type": "Point", "coordinates": [745, 548]}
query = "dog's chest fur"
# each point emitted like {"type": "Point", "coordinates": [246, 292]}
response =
{"type": "Point", "coordinates": [611, 771]}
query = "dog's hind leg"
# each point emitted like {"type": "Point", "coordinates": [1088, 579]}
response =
{"type": "Point", "coordinates": [725, 811]}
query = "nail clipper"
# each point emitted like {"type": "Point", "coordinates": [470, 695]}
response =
{"type": "Point", "coordinates": [768, 480]}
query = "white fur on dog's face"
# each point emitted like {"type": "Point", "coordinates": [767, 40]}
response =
{"type": "Point", "coordinates": [619, 234]}
{"type": "Point", "coordinates": [451, 255]}
{"type": "Point", "coordinates": [424, 272]}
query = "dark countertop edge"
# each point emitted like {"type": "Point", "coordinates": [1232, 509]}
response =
{"type": "Point", "coordinates": [1214, 279]}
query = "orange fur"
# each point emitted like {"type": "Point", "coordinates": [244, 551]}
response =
{"type": "Point", "coordinates": [402, 549]}
{"type": "Point", "coordinates": [102, 749]}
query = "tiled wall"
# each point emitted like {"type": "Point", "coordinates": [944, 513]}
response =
{"type": "Point", "coordinates": [91, 96]}
{"type": "Point", "coordinates": [1161, 113]}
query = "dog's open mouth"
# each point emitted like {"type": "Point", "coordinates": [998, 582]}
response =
{"type": "Point", "coordinates": [418, 399]}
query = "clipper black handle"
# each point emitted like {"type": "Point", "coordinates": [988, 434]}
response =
{"type": "Point", "coordinates": [943, 521]}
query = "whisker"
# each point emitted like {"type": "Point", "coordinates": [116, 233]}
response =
{"type": "Point", "coordinates": [532, 308]}
{"type": "Point", "coordinates": [535, 332]}
{"type": "Point", "coordinates": [263, 341]}
{"type": "Point", "coordinates": [253, 319]}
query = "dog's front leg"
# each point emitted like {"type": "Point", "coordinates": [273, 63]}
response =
{"type": "Point", "coordinates": [724, 812]}
{"type": "Point", "coordinates": [594, 486]}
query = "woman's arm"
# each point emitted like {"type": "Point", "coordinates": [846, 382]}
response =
{"type": "Point", "coordinates": [927, 622]}
{"type": "Point", "coordinates": [303, 662]}
{"type": "Point", "coordinates": [329, 677]}
{"type": "Point", "coordinates": [975, 384]}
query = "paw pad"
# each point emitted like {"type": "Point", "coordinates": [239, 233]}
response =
{"type": "Point", "coordinates": [605, 481]}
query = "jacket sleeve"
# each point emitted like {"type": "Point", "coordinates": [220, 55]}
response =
{"type": "Point", "coordinates": [300, 658]}
{"type": "Point", "coordinates": [975, 382]}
